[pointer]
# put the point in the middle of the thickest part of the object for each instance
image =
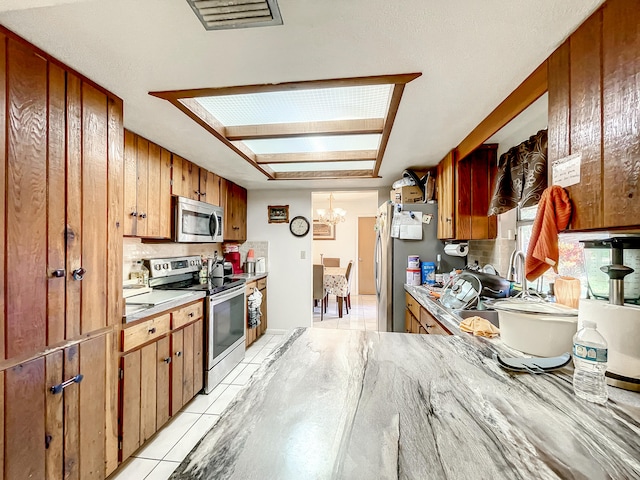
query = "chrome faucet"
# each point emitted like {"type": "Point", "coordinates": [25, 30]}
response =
{"type": "Point", "coordinates": [516, 268]}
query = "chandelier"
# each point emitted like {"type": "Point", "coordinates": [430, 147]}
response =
{"type": "Point", "coordinates": [333, 215]}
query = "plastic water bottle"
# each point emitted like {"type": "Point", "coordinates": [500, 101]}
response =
{"type": "Point", "coordinates": [590, 362]}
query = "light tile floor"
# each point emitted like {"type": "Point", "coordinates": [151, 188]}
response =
{"type": "Point", "coordinates": [163, 453]}
{"type": "Point", "coordinates": [362, 315]}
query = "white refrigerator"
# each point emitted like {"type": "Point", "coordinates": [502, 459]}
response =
{"type": "Point", "coordinates": [391, 257]}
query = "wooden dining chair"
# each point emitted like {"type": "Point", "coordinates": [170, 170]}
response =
{"type": "Point", "coordinates": [319, 293]}
{"type": "Point", "coordinates": [331, 262]}
{"type": "Point", "coordinates": [346, 300]}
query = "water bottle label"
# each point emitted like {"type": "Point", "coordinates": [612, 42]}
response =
{"type": "Point", "coordinates": [591, 354]}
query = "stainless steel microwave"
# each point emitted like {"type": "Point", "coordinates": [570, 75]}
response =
{"type": "Point", "coordinates": [197, 222]}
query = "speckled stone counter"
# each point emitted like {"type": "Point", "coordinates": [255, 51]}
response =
{"type": "Point", "coordinates": [337, 404]}
{"type": "Point", "coordinates": [137, 312]}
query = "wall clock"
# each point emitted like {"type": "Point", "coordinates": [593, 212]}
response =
{"type": "Point", "coordinates": [299, 226]}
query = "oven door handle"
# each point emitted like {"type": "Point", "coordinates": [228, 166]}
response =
{"type": "Point", "coordinates": [226, 295]}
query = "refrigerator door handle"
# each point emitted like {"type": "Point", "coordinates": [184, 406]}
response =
{"type": "Point", "coordinates": [376, 261]}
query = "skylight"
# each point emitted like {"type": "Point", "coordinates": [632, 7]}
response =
{"type": "Point", "coordinates": [303, 130]}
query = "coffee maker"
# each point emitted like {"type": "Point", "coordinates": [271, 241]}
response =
{"type": "Point", "coordinates": [234, 259]}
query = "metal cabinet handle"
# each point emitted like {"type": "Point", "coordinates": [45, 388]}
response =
{"type": "Point", "coordinates": [78, 273]}
{"type": "Point", "coordinates": [178, 354]}
{"type": "Point", "coordinates": [152, 330]}
{"type": "Point", "coordinates": [167, 360]}
{"type": "Point", "coordinates": [47, 441]}
{"type": "Point", "coordinates": [59, 273]}
{"type": "Point", "coordinates": [203, 194]}
{"type": "Point", "coordinates": [142, 215]}
{"type": "Point", "coordinates": [236, 228]}
{"type": "Point", "coordinates": [191, 314]}
{"type": "Point", "coordinates": [134, 214]}
{"type": "Point", "coordinates": [197, 192]}
{"type": "Point", "coordinates": [61, 386]}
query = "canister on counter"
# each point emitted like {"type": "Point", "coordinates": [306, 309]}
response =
{"type": "Point", "coordinates": [428, 273]}
{"type": "Point", "coordinates": [413, 262]}
{"type": "Point", "coordinates": [413, 277]}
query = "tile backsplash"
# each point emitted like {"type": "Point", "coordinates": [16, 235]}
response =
{"type": "Point", "coordinates": [260, 249]}
{"type": "Point", "coordinates": [495, 252]}
{"type": "Point", "coordinates": [135, 250]}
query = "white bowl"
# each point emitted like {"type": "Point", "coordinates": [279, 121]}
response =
{"type": "Point", "coordinates": [537, 328]}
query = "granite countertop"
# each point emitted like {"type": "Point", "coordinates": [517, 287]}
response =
{"type": "Point", "coordinates": [340, 404]}
{"type": "Point", "coordinates": [249, 277]}
{"type": "Point", "coordinates": [138, 312]}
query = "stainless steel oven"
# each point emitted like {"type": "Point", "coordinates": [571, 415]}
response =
{"type": "Point", "coordinates": [226, 314]}
{"type": "Point", "coordinates": [197, 222]}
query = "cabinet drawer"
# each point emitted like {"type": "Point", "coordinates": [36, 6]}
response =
{"type": "Point", "coordinates": [261, 284]}
{"type": "Point", "coordinates": [431, 325]}
{"type": "Point", "coordinates": [186, 315]}
{"type": "Point", "coordinates": [412, 305]}
{"type": "Point", "coordinates": [144, 332]}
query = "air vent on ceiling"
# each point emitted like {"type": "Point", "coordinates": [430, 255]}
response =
{"type": "Point", "coordinates": [225, 14]}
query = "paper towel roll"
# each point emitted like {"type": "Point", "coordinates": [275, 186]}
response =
{"type": "Point", "coordinates": [457, 249]}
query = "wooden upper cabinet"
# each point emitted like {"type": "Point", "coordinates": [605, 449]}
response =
{"type": "Point", "coordinates": [475, 178]}
{"type": "Point", "coordinates": [445, 196]}
{"type": "Point", "coordinates": [147, 192]}
{"type": "Point", "coordinates": [593, 97]}
{"type": "Point", "coordinates": [62, 158]}
{"type": "Point", "coordinates": [235, 213]}
{"type": "Point", "coordinates": [186, 178]}
{"type": "Point", "coordinates": [209, 187]}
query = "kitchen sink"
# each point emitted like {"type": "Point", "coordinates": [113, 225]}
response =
{"type": "Point", "coordinates": [491, 315]}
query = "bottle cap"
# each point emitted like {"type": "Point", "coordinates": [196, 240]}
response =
{"type": "Point", "coordinates": [589, 324]}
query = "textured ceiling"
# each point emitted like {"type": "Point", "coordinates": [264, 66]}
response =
{"type": "Point", "coordinates": [471, 53]}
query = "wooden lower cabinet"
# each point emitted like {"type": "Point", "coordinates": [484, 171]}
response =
{"type": "Point", "coordinates": [417, 319]}
{"type": "Point", "coordinates": [254, 333]}
{"type": "Point", "coordinates": [159, 374]}
{"type": "Point", "coordinates": [60, 432]}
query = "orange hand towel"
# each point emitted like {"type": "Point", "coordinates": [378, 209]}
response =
{"type": "Point", "coordinates": [554, 213]}
{"type": "Point", "coordinates": [479, 326]}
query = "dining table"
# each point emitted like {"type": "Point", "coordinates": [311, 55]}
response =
{"type": "Point", "coordinates": [336, 283]}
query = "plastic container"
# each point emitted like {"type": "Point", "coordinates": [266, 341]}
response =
{"type": "Point", "coordinates": [413, 262]}
{"type": "Point", "coordinates": [428, 273]}
{"type": "Point", "coordinates": [413, 277]}
{"type": "Point", "coordinates": [537, 328]}
{"type": "Point", "coordinates": [590, 354]}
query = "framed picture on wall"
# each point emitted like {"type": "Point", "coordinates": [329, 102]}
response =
{"type": "Point", "coordinates": [278, 213]}
{"type": "Point", "coordinates": [322, 231]}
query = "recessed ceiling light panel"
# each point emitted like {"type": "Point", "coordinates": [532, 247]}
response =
{"type": "Point", "coordinates": [227, 14]}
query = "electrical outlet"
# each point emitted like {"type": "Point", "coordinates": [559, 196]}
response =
{"type": "Point", "coordinates": [426, 218]}
{"type": "Point", "coordinates": [303, 255]}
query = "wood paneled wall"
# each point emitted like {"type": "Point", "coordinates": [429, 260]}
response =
{"type": "Point", "coordinates": [594, 94]}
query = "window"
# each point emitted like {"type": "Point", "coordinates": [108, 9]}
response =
{"type": "Point", "coordinates": [571, 261]}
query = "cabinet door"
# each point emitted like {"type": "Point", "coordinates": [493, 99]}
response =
{"type": "Point", "coordinates": [187, 355]}
{"type": "Point", "coordinates": [209, 187]}
{"type": "Point", "coordinates": [130, 183]}
{"type": "Point", "coordinates": [87, 237]}
{"type": "Point", "coordinates": [236, 213]}
{"type": "Point", "coordinates": [26, 201]}
{"type": "Point", "coordinates": [407, 321]}
{"type": "Point", "coordinates": [144, 186]}
{"type": "Point", "coordinates": [177, 371]}
{"type": "Point", "coordinates": [198, 357]}
{"type": "Point", "coordinates": [163, 209]}
{"type": "Point", "coordinates": [263, 311]}
{"type": "Point", "coordinates": [445, 196]}
{"type": "Point", "coordinates": [415, 325]}
{"type": "Point", "coordinates": [163, 381]}
{"type": "Point", "coordinates": [130, 409]}
{"type": "Point", "coordinates": [186, 178]}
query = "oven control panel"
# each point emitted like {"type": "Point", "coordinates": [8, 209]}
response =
{"type": "Point", "coordinates": [164, 267]}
